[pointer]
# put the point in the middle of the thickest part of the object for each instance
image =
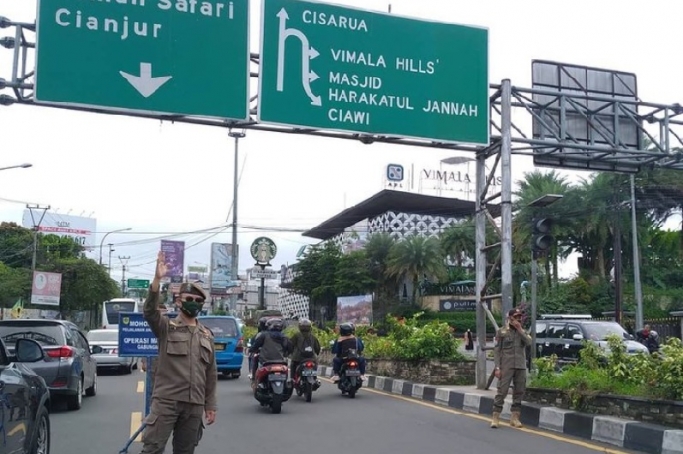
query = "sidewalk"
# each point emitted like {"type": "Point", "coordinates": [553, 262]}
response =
{"type": "Point", "coordinates": [628, 434]}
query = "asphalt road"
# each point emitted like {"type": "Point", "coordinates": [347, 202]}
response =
{"type": "Point", "coordinates": [371, 423]}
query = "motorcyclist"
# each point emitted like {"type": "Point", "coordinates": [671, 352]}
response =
{"type": "Point", "coordinates": [347, 341]}
{"type": "Point", "coordinates": [271, 344]}
{"type": "Point", "coordinates": [305, 345]}
{"type": "Point", "coordinates": [261, 326]}
{"type": "Point", "coordinates": [649, 338]}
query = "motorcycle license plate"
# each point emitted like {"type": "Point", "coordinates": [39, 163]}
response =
{"type": "Point", "coordinates": [277, 377]}
{"type": "Point", "coordinates": [307, 372]}
{"type": "Point", "coordinates": [352, 373]}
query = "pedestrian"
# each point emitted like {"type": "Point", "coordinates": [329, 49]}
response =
{"type": "Point", "coordinates": [186, 376]}
{"type": "Point", "coordinates": [469, 340]}
{"type": "Point", "coordinates": [510, 359]}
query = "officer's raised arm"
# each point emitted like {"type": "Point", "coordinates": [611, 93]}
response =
{"type": "Point", "coordinates": [156, 321]}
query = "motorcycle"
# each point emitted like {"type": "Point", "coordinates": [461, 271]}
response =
{"type": "Point", "coordinates": [306, 379]}
{"type": "Point", "coordinates": [349, 375]}
{"type": "Point", "coordinates": [273, 386]}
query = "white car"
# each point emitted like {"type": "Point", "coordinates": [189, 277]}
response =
{"type": "Point", "coordinates": [104, 347]}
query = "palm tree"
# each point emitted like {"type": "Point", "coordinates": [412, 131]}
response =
{"type": "Point", "coordinates": [415, 257]}
{"type": "Point", "coordinates": [377, 250]}
{"type": "Point", "coordinates": [537, 184]}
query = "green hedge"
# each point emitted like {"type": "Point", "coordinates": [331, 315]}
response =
{"type": "Point", "coordinates": [461, 321]}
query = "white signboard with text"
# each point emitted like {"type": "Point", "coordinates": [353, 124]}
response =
{"type": "Point", "coordinates": [81, 229]}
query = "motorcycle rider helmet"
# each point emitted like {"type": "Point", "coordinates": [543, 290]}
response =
{"type": "Point", "coordinates": [275, 324]}
{"type": "Point", "coordinates": [346, 329]}
{"type": "Point", "coordinates": [305, 325]}
{"type": "Point", "coordinates": [262, 324]}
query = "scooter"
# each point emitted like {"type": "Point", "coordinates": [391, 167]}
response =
{"type": "Point", "coordinates": [273, 386]}
{"type": "Point", "coordinates": [306, 379]}
{"type": "Point", "coordinates": [349, 375]}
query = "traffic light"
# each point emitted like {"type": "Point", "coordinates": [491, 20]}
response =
{"type": "Point", "coordinates": [542, 240]}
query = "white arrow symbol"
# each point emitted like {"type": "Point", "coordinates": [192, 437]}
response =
{"type": "Point", "coordinates": [308, 53]}
{"type": "Point", "coordinates": [145, 84]}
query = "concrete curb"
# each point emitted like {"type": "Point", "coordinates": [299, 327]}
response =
{"type": "Point", "coordinates": [627, 434]}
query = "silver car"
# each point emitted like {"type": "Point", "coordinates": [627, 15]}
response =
{"type": "Point", "coordinates": [104, 345]}
{"type": "Point", "coordinates": [68, 368]}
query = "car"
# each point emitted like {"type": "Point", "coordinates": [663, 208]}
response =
{"type": "Point", "coordinates": [228, 342]}
{"type": "Point", "coordinates": [563, 336]}
{"type": "Point", "coordinates": [24, 400]}
{"type": "Point", "coordinates": [104, 346]}
{"type": "Point", "coordinates": [68, 368]}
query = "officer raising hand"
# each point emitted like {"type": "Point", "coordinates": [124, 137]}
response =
{"type": "Point", "coordinates": [186, 376]}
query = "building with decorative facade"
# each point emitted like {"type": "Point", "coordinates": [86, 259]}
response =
{"type": "Point", "coordinates": [397, 213]}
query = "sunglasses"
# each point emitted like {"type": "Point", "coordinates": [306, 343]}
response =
{"type": "Point", "coordinates": [193, 299]}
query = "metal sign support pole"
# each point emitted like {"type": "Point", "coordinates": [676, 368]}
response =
{"type": "Point", "coordinates": [148, 404]}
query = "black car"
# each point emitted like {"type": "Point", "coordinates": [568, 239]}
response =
{"type": "Point", "coordinates": [563, 335]}
{"type": "Point", "coordinates": [24, 401]}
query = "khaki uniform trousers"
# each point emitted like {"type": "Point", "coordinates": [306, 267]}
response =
{"type": "Point", "coordinates": [518, 379]}
{"type": "Point", "coordinates": [182, 419]}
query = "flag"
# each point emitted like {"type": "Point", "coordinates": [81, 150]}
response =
{"type": "Point", "coordinates": [17, 308]}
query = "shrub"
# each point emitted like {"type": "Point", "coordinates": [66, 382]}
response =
{"type": "Point", "coordinates": [613, 371]}
{"type": "Point", "coordinates": [412, 341]}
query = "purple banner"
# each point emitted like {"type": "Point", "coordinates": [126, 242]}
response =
{"type": "Point", "coordinates": [175, 258]}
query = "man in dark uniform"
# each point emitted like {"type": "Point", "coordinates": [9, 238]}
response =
{"type": "Point", "coordinates": [186, 376]}
{"type": "Point", "coordinates": [510, 358]}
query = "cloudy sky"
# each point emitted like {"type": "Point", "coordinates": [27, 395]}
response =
{"type": "Point", "coordinates": [175, 180]}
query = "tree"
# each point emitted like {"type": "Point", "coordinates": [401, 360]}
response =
{"type": "Point", "coordinates": [85, 284]}
{"type": "Point", "coordinates": [414, 258]}
{"type": "Point", "coordinates": [16, 245]}
{"type": "Point", "coordinates": [15, 283]}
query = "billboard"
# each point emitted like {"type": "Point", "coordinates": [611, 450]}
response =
{"type": "Point", "coordinates": [221, 266]}
{"type": "Point", "coordinates": [81, 229]}
{"type": "Point", "coordinates": [46, 288]}
{"type": "Point", "coordinates": [354, 309]}
{"type": "Point", "coordinates": [175, 259]}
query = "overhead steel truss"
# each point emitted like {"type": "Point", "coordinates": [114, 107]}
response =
{"type": "Point", "coordinates": [661, 124]}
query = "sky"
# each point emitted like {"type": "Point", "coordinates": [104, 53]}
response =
{"type": "Point", "coordinates": [175, 180]}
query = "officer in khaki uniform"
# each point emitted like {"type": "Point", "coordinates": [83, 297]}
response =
{"type": "Point", "coordinates": [510, 357]}
{"type": "Point", "coordinates": [185, 377]}
{"type": "Point", "coordinates": [143, 362]}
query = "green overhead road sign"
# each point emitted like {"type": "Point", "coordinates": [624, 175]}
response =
{"type": "Point", "coordinates": [178, 57]}
{"type": "Point", "coordinates": [331, 67]}
{"type": "Point", "coordinates": [138, 283]}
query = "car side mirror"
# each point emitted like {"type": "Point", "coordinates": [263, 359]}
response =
{"type": "Point", "coordinates": [577, 337]}
{"type": "Point", "coordinates": [28, 351]}
{"type": "Point", "coordinates": [96, 350]}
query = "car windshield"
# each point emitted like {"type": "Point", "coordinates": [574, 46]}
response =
{"type": "Point", "coordinates": [600, 331]}
{"type": "Point", "coordinates": [221, 327]}
{"type": "Point", "coordinates": [103, 336]}
{"type": "Point", "coordinates": [43, 333]}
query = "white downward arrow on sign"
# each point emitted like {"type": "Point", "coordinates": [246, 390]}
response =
{"type": "Point", "coordinates": [145, 84]}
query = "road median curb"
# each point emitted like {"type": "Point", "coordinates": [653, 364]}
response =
{"type": "Point", "coordinates": [627, 434]}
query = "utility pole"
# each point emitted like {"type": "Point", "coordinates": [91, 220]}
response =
{"type": "Point", "coordinates": [36, 226]}
{"type": "Point", "coordinates": [124, 264]}
{"type": "Point", "coordinates": [616, 231]}
{"type": "Point", "coordinates": [234, 269]}
{"type": "Point", "coordinates": [636, 258]}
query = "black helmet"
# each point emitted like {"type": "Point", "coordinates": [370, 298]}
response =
{"type": "Point", "coordinates": [275, 324]}
{"type": "Point", "coordinates": [262, 324]}
{"type": "Point", "coordinates": [346, 329]}
{"type": "Point", "coordinates": [305, 325]}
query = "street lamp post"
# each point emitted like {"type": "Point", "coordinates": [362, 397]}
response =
{"type": "Point", "coordinates": [109, 233]}
{"type": "Point", "coordinates": [237, 135]}
{"type": "Point", "coordinates": [111, 249]}
{"type": "Point", "coordinates": [18, 166]}
{"type": "Point", "coordinates": [541, 202]}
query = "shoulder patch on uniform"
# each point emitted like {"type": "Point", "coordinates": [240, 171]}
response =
{"type": "Point", "coordinates": [206, 331]}
{"type": "Point", "coordinates": [174, 323]}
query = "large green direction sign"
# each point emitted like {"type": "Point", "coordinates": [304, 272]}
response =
{"type": "Point", "coordinates": [138, 283]}
{"type": "Point", "coordinates": [182, 57]}
{"type": "Point", "coordinates": [331, 67]}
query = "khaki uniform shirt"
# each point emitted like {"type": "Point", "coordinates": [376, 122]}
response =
{"type": "Point", "coordinates": [186, 365]}
{"type": "Point", "coordinates": [510, 349]}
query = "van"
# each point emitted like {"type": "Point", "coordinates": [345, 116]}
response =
{"type": "Point", "coordinates": [228, 342]}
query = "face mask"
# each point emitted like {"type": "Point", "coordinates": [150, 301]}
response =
{"type": "Point", "coordinates": [191, 308]}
